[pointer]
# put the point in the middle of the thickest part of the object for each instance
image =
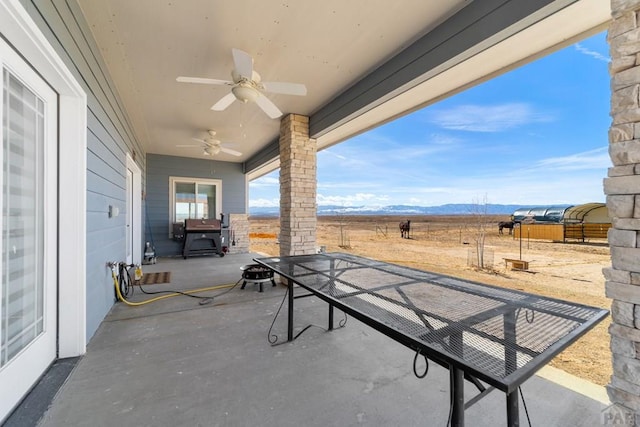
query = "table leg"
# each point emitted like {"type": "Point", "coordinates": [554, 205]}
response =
{"type": "Point", "coordinates": [513, 414]}
{"type": "Point", "coordinates": [510, 365]}
{"type": "Point", "coordinates": [456, 382]}
{"type": "Point", "coordinates": [332, 274]}
{"type": "Point", "coordinates": [290, 311]}
{"type": "Point", "coordinates": [330, 317]}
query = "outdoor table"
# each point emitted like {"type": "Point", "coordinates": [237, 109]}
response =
{"type": "Point", "coordinates": [495, 338]}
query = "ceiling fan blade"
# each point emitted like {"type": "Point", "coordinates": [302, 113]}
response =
{"type": "Point", "coordinates": [268, 107]}
{"type": "Point", "coordinates": [230, 151]}
{"type": "Point", "coordinates": [243, 63]}
{"type": "Point", "coordinates": [285, 88]}
{"type": "Point", "coordinates": [199, 140]}
{"type": "Point", "coordinates": [224, 102]}
{"type": "Point", "coordinates": [186, 146]}
{"type": "Point", "coordinates": [204, 81]}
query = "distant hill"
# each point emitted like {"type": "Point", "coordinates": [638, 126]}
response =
{"type": "Point", "coordinates": [448, 209]}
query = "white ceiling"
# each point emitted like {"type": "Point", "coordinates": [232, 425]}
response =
{"type": "Point", "coordinates": [328, 45]}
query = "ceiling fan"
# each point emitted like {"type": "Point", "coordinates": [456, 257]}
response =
{"type": "Point", "coordinates": [212, 146]}
{"type": "Point", "coordinates": [247, 86]}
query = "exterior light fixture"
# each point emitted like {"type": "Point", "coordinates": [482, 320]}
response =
{"type": "Point", "coordinates": [245, 92]}
{"type": "Point", "coordinates": [212, 150]}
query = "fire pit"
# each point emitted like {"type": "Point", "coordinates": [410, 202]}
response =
{"type": "Point", "coordinates": [256, 273]}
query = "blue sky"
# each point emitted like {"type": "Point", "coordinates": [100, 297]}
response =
{"type": "Point", "coordinates": [534, 136]}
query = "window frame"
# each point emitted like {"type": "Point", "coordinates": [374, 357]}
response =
{"type": "Point", "coordinates": [173, 180]}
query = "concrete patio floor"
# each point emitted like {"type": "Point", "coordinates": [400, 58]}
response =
{"type": "Point", "coordinates": [178, 363]}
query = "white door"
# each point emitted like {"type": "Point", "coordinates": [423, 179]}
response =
{"type": "Point", "coordinates": [28, 199]}
{"type": "Point", "coordinates": [133, 205]}
{"type": "Point", "coordinates": [129, 220]}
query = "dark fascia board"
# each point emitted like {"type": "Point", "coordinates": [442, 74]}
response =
{"type": "Point", "coordinates": [266, 155]}
{"type": "Point", "coordinates": [475, 24]}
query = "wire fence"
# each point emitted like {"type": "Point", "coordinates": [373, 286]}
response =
{"type": "Point", "coordinates": [460, 233]}
{"type": "Point", "coordinates": [482, 259]}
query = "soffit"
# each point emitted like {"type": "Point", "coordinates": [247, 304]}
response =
{"type": "Point", "coordinates": [329, 46]}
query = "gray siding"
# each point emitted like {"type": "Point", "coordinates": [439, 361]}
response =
{"type": "Point", "coordinates": [109, 138]}
{"type": "Point", "coordinates": [160, 168]}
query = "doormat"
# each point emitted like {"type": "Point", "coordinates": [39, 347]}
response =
{"type": "Point", "coordinates": [154, 278]}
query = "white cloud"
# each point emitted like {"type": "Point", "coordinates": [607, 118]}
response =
{"type": "Point", "coordinates": [487, 118]}
{"type": "Point", "coordinates": [265, 181]}
{"type": "Point", "coordinates": [328, 151]}
{"type": "Point", "coordinates": [593, 159]}
{"type": "Point", "coordinates": [351, 160]}
{"type": "Point", "coordinates": [597, 55]}
{"type": "Point", "coordinates": [443, 139]}
{"type": "Point", "coordinates": [351, 199]}
{"type": "Point", "coordinates": [404, 152]}
{"type": "Point", "coordinates": [264, 203]}
{"type": "Point", "coordinates": [347, 184]}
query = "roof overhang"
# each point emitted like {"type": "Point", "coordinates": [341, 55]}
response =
{"type": "Point", "coordinates": [363, 66]}
{"type": "Point", "coordinates": [526, 36]}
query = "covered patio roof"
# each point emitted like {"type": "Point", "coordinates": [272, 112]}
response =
{"type": "Point", "coordinates": [363, 63]}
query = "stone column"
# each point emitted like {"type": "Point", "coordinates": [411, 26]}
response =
{"type": "Point", "coordinates": [238, 234]}
{"type": "Point", "coordinates": [622, 187]}
{"type": "Point", "coordinates": [297, 187]}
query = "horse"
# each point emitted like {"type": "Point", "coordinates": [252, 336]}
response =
{"type": "Point", "coordinates": [405, 227]}
{"type": "Point", "coordinates": [506, 224]}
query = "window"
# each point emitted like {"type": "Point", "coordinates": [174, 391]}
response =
{"type": "Point", "coordinates": [23, 213]}
{"type": "Point", "coordinates": [193, 198]}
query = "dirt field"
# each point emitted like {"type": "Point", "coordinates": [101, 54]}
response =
{"type": "Point", "coordinates": [570, 271]}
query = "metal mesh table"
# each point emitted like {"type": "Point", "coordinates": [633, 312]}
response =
{"type": "Point", "coordinates": [479, 332]}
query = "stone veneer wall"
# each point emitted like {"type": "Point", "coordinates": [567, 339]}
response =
{"type": "Point", "coordinates": [297, 187]}
{"type": "Point", "coordinates": [239, 225]}
{"type": "Point", "coordinates": [622, 187]}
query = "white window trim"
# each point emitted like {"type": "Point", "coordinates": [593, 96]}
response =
{"type": "Point", "coordinates": [19, 29]}
{"type": "Point", "coordinates": [172, 195]}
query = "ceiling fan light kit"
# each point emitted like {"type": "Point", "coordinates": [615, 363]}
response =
{"type": "Point", "coordinates": [245, 92]}
{"type": "Point", "coordinates": [212, 150]}
{"type": "Point", "coordinates": [212, 146]}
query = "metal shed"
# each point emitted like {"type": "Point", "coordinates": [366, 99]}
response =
{"type": "Point", "coordinates": [592, 213]}
{"type": "Point", "coordinates": [546, 214]}
{"type": "Point", "coordinates": [560, 223]}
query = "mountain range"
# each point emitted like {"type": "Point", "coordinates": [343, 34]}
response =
{"type": "Point", "coordinates": [448, 209]}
